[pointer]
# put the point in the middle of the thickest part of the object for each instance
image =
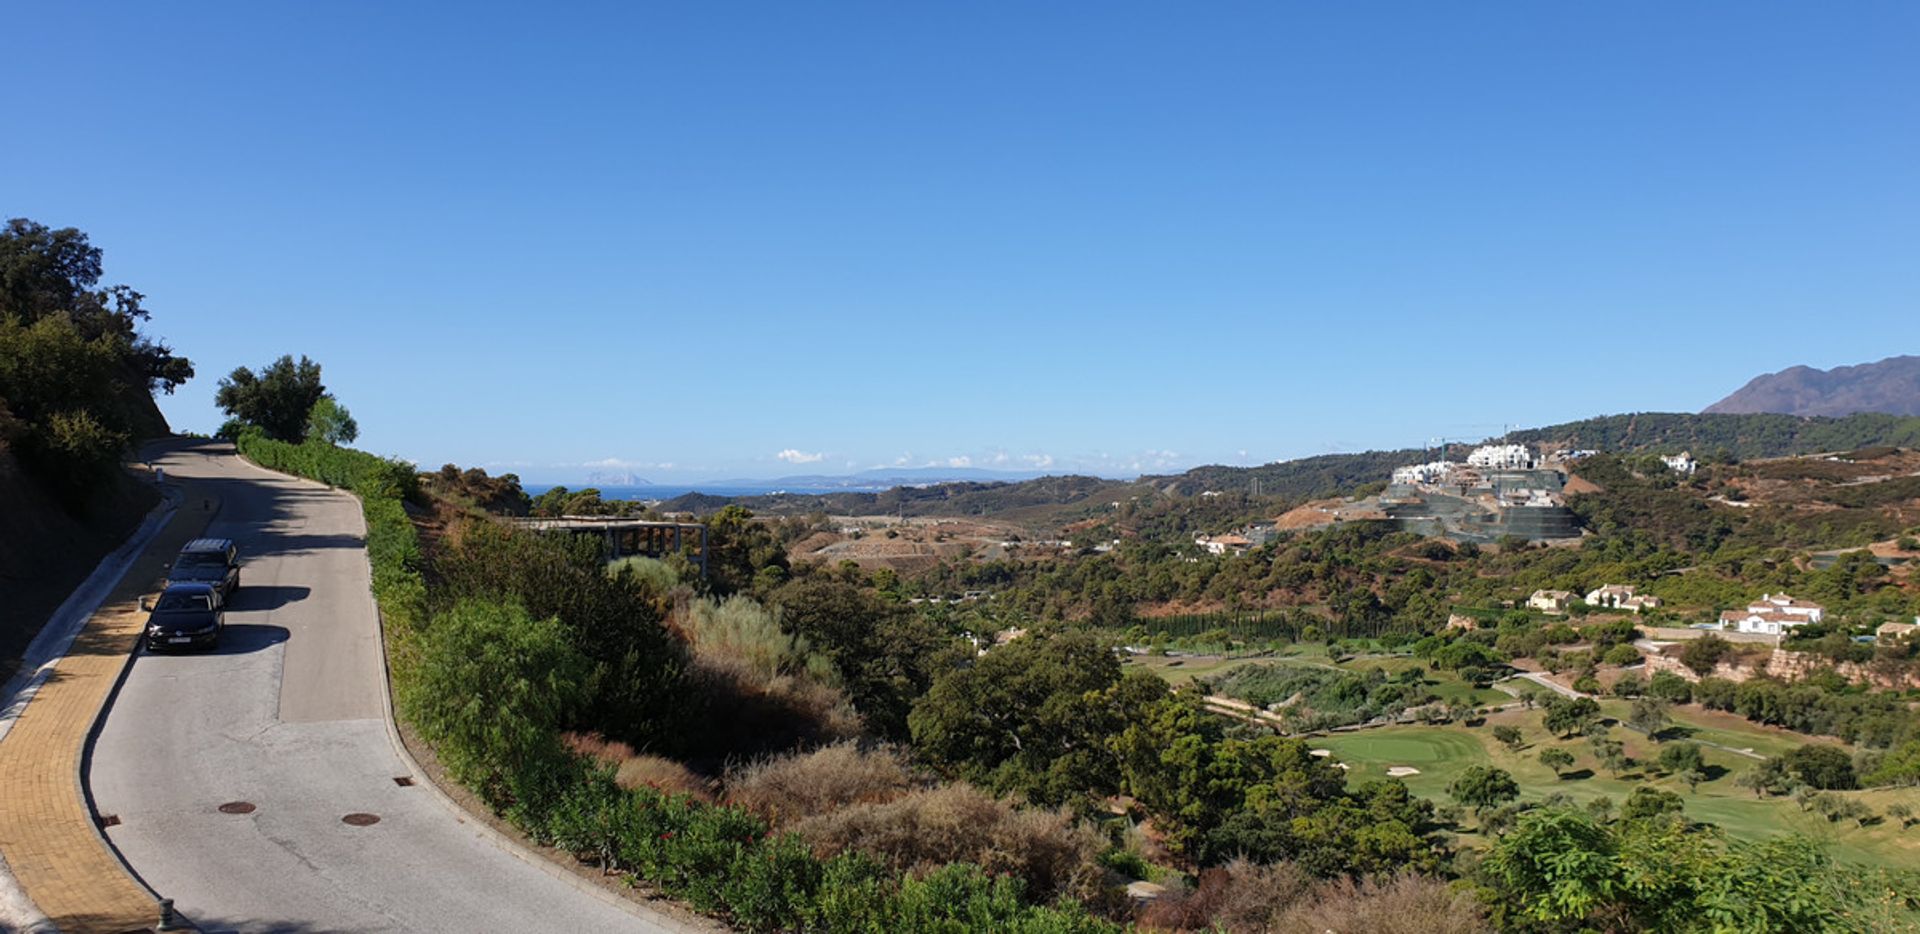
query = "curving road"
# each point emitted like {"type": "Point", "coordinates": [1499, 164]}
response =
{"type": "Point", "coordinates": [287, 715]}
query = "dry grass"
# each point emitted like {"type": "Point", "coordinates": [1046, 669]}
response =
{"type": "Point", "coordinates": [1054, 853]}
{"type": "Point", "coordinates": [636, 769]}
{"type": "Point", "coordinates": [792, 787]}
{"type": "Point", "coordinates": [1245, 898]}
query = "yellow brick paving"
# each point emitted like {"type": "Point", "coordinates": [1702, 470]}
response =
{"type": "Point", "coordinates": [48, 832]}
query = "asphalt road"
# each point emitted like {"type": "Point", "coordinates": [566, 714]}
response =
{"type": "Point", "coordinates": [286, 715]}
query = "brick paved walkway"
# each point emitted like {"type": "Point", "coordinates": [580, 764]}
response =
{"type": "Point", "coordinates": [48, 831]}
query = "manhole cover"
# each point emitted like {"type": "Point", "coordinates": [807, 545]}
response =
{"type": "Point", "coordinates": [237, 807]}
{"type": "Point", "coordinates": [404, 781]}
{"type": "Point", "coordinates": [361, 820]}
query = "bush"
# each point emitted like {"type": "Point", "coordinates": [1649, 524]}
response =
{"type": "Point", "coordinates": [1282, 899]}
{"type": "Point", "coordinates": [740, 633]}
{"type": "Point", "coordinates": [491, 690]}
{"type": "Point", "coordinates": [1049, 851]}
{"type": "Point", "coordinates": [613, 618]}
{"type": "Point", "coordinates": [801, 785]}
{"type": "Point", "coordinates": [1622, 655]}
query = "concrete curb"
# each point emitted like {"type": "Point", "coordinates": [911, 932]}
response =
{"type": "Point", "coordinates": [421, 779]}
{"type": "Point", "coordinates": [17, 911]}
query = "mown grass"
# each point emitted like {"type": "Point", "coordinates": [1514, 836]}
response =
{"type": "Point", "coordinates": [1440, 753]}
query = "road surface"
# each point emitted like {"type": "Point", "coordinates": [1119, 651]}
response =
{"type": "Point", "coordinates": [287, 716]}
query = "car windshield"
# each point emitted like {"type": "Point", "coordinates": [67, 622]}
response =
{"type": "Point", "coordinates": [174, 602]}
{"type": "Point", "coordinates": [202, 559]}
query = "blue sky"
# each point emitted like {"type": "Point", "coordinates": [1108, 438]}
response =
{"type": "Point", "coordinates": [727, 239]}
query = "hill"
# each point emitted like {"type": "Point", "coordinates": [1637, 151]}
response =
{"type": "Point", "coordinates": [1891, 386]}
{"type": "Point", "coordinates": [1056, 500]}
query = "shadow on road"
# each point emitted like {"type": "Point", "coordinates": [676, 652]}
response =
{"type": "Point", "coordinates": [252, 926]}
{"type": "Point", "coordinates": [267, 596]}
{"type": "Point", "coordinates": [239, 639]}
{"type": "Point", "coordinates": [275, 543]}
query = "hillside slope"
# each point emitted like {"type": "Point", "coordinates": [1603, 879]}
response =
{"type": "Point", "coordinates": [46, 551]}
{"type": "Point", "coordinates": [1891, 386]}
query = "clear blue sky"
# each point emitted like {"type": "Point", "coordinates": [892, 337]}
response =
{"type": "Point", "coordinates": [1099, 236]}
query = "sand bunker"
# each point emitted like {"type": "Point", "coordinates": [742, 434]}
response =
{"type": "Point", "coordinates": [1402, 771]}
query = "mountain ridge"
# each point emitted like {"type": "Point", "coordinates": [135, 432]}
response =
{"type": "Point", "coordinates": [1890, 386]}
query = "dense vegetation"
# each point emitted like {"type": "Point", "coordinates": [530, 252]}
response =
{"type": "Point", "coordinates": [718, 737]}
{"type": "Point", "coordinates": [77, 376]}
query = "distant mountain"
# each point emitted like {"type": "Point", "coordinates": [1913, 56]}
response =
{"type": "Point", "coordinates": [883, 478]}
{"type": "Point", "coordinates": [616, 478]}
{"type": "Point", "coordinates": [1891, 386]}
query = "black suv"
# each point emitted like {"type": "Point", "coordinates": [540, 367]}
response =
{"type": "Point", "coordinates": [211, 561]}
{"type": "Point", "coordinates": [186, 615]}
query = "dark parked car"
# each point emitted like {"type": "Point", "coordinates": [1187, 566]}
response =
{"type": "Point", "coordinates": [212, 561]}
{"type": "Point", "coordinates": [186, 616]}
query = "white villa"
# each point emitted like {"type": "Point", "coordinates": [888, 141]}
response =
{"type": "Point", "coordinates": [1223, 544]}
{"type": "Point", "coordinates": [1501, 457]}
{"type": "Point", "coordinates": [1418, 474]}
{"type": "Point", "coordinates": [1622, 597]}
{"type": "Point", "coordinates": [1773, 614]}
{"type": "Point", "coordinates": [1682, 463]}
{"type": "Point", "coordinates": [1550, 601]}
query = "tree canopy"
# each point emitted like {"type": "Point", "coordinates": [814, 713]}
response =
{"type": "Point", "coordinates": [278, 400]}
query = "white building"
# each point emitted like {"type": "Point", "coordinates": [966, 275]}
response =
{"type": "Point", "coordinates": [1502, 457]}
{"type": "Point", "coordinates": [1773, 614]}
{"type": "Point", "coordinates": [1423, 474]}
{"type": "Point", "coordinates": [1622, 597]}
{"type": "Point", "coordinates": [1550, 601]}
{"type": "Point", "coordinates": [1224, 544]}
{"type": "Point", "coordinates": [1682, 463]}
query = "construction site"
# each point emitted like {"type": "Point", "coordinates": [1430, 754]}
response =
{"type": "Point", "coordinates": [1499, 491]}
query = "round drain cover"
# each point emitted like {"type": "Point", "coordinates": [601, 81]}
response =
{"type": "Point", "coordinates": [361, 820]}
{"type": "Point", "coordinates": [237, 807]}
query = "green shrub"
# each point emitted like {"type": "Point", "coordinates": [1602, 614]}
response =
{"type": "Point", "coordinates": [491, 690]}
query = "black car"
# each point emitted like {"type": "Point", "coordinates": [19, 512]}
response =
{"type": "Point", "coordinates": [212, 561]}
{"type": "Point", "coordinates": [186, 616]}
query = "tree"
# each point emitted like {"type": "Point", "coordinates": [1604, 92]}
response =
{"type": "Point", "coordinates": [1648, 801]}
{"type": "Point", "coordinates": [1650, 714]}
{"type": "Point", "coordinates": [1611, 753]}
{"type": "Point", "coordinates": [1704, 653]}
{"type": "Point", "coordinates": [1481, 787]}
{"type": "Point", "coordinates": [1508, 735]}
{"type": "Point", "coordinates": [1629, 685]}
{"type": "Point", "coordinates": [278, 400]}
{"type": "Point", "coordinates": [1900, 766]}
{"type": "Point", "coordinates": [1621, 655]}
{"type": "Point", "coordinates": [1680, 758]}
{"type": "Point", "coordinates": [1557, 759]}
{"type": "Point", "coordinates": [331, 423]}
{"type": "Point", "coordinates": [1770, 777]}
{"type": "Point", "coordinates": [1566, 716]}
{"type": "Point", "coordinates": [76, 375]}
{"type": "Point", "coordinates": [1901, 813]}
{"type": "Point", "coordinates": [1670, 687]}
{"type": "Point", "coordinates": [885, 656]}
{"type": "Point", "coordinates": [1034, 716]}
{"type": "Point", "coordinates": [1827, 768]}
